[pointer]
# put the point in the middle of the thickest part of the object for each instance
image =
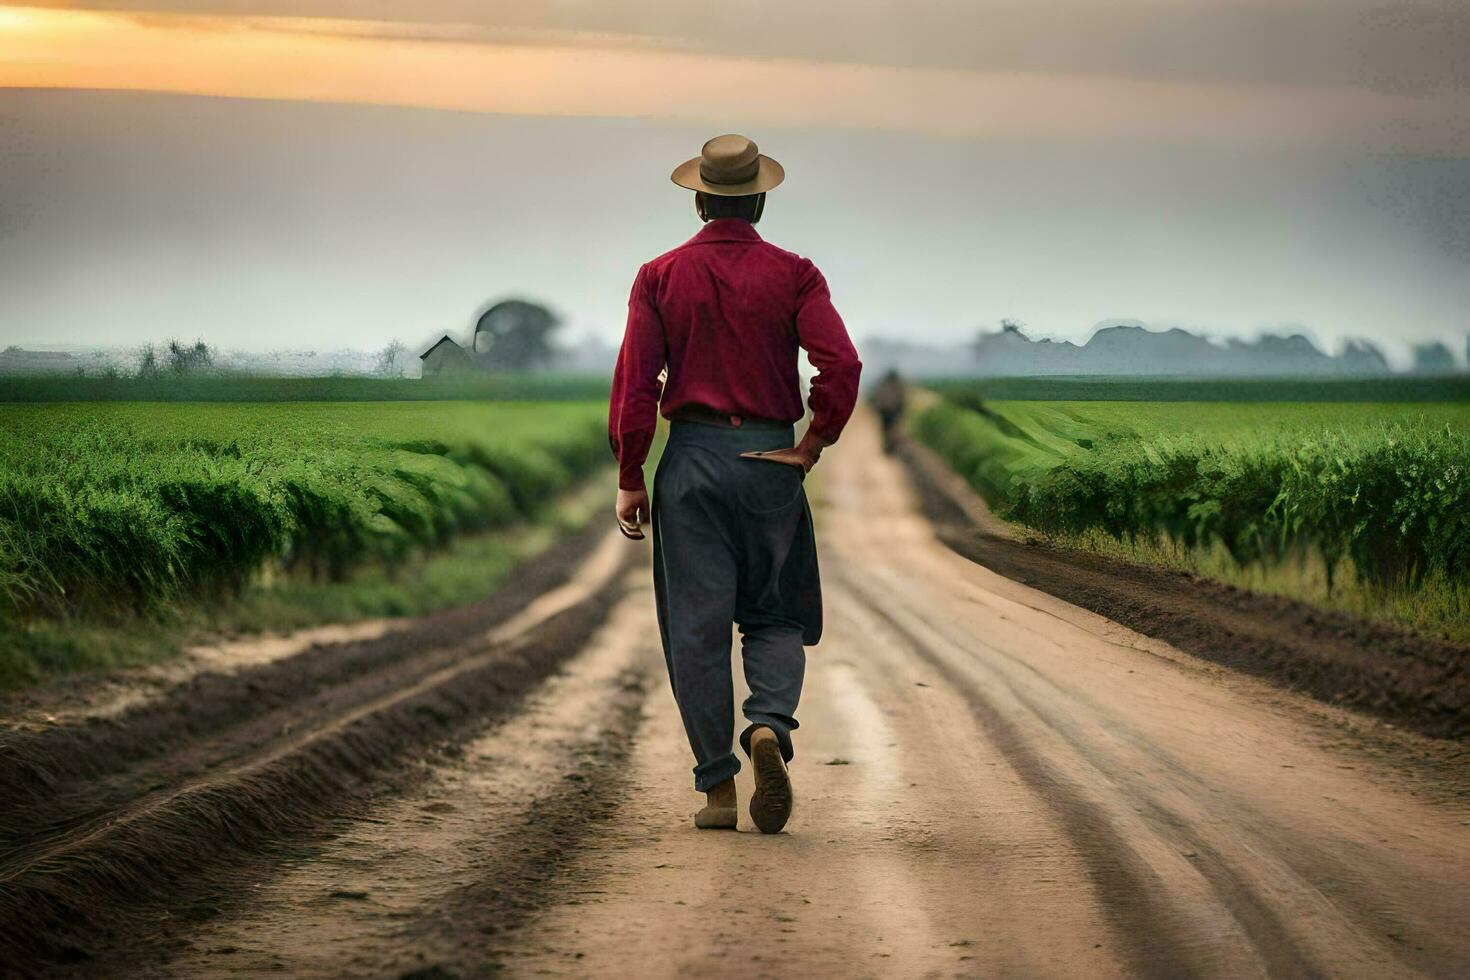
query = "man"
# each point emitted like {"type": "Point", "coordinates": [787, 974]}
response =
{"type": "Point", "coordinates": [888, 400]}
{"type": "Point", "coordinates": [725, 315]}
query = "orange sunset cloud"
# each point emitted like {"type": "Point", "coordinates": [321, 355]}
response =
{"type": "Point", "coordinates": [589, 75]}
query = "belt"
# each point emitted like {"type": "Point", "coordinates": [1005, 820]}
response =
{"type": "Point", "coordinates": [709, 416]}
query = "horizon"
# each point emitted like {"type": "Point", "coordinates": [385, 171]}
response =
{"type": "Point", "coordinates": [1399, 360]}
{"type": "Point", "coordinates": [309, 172]}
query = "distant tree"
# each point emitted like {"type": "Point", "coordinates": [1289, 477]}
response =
{"type": "Point", "coordinates": [515, 335]}
{"type": "Point", "coordinates": [1433, 358]}
{"type": "Point", "coordinates": [983, 337]}
{"type": "Point", "coordinates": [1362, 357]}
{"type": "Point", "coordinates": [388, 362]}
{"type": "Point", "coordinates": [148, 366]}
{"type": "Point", "coordinates": [193, 358]}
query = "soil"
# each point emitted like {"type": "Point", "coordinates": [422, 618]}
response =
{"type": "Point", "coordinates": [155, 800]}
{"type": "Point", "coordinates": [1410, 680]}
{"type": "Point", "coordinates": [990, 780]}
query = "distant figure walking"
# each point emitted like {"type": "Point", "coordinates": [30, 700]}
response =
{"type": "Point", "coordinates": [888, 401]}
{"type": "Point", "coordinates": [726, 315]}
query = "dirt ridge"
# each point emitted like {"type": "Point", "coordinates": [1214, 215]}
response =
{"type": "Point", "coordinates": [79, 884]}
{"type": "Point", "coordinates": [1123, 878]}
{"type": "Point", "coordinates": [560, 826]}
{"type": "Point", "coordinates": [1413, 681]}
{"type": "Point", "coordinates": [41, 770]}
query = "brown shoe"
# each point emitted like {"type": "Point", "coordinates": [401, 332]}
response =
{"type": "Point", "coordinates": [770, 806]}
{"type": "Point", "coordinates": [721, 808]}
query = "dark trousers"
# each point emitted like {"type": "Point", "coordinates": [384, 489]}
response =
{"type": "Point", "coordinates": [733, 544]}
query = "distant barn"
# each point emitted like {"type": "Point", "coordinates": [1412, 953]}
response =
{"type": "Point", "coordinates": [14, 360]}
{"type": "Point", "coordinates": [446, 358]}
{"type": "Point", "coordinates": [511, 335]}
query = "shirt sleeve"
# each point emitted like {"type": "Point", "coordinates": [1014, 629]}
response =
{"type": "Point", "coordinates": [823, 336]}
{"type": "Point", "coordinates": [633, 408]}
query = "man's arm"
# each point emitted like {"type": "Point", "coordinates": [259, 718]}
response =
{"type": "Point", "coordinates": [633, 409]}
{"type": "Point", "coordinates": [822, 334]}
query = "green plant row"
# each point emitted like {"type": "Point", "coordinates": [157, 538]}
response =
{"type": "Point", "coordinates": [1385, 486]}
{"type": "Point", "coordinates": [227, 387]}
{"type": "Point", "coordinates": [1076, 388]}
{"type": "Point", "coordinates": [124, 506]}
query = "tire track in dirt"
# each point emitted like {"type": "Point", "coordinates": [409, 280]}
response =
{"type": "Point", "coordinates": [73, 888]}
{"type": "Point", "coordinates": [989, 781]}
{"type": "Point", "coordinates": [424, 882]}
{"type": "Point", "coordinates": [1414, 681]}
{"type": "Point", "coordinates": [913, 850]}
{"type": "Point", "coordinates": [50, 775]}
{"type": "Point", "coordinates": [1021, 787]}
{"type": "Point", "coordinates": [1299, 868]}
{"type": "Point", "coordinates": [1115, 728]}
{"type": "Point", "coordinates": [1126, 883]}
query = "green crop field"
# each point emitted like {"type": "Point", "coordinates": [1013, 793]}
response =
{"type": "Point", "coordinates": [1377, 496]}
{"type": "Point", "coordinates": [1066, 388]}
{"type": "Point", "coordinates": [225, 387]}
{"type": "Point", "coordinates": [119, 508]}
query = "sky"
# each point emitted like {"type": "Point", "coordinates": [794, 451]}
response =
{"type": "Point", "coordinates": [328, 173]}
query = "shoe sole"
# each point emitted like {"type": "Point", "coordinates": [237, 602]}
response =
{"type": "Point", "coordinates": [770, 805]}
{"type": "Point", "coordinates": [716, 818]}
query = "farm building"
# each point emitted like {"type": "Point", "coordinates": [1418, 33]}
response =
{"type": "Point", "coordinates": [512, 335]}
{"type": "Point", "coordinates": [14, 360]}
{"type": "Point", "coordinates": [446, 357]}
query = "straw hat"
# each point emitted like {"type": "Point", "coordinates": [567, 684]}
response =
{"type": "Point", "coordinates": [729, 166]}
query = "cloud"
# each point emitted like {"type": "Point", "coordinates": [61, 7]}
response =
{"type": "Point", "coordinates": [391, 30]}
{"type": "Point", "coordinates": [262, 224]}
{"type": "Point", "coordinates": [586, 73]}
{"type": "Point", "coordinates": [1415, 46]}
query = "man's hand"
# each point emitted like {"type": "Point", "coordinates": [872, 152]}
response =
{"type": "Point", "coordinates": [804, 454]}
{"type": "Point", "coordinates": [632, 511]}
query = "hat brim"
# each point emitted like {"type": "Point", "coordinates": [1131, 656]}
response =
{"type": "Point", "coordinates": [768, 174]}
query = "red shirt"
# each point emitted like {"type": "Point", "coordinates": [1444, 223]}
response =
{"type": "Point", "coordinates": [725, 313]}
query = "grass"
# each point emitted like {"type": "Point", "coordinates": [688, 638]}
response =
{"type": "Point", "coordinates": [1434, 606]}
{"type": "Point", "coordinates": [465, 571]}
{"type": "Point", "coordinates": [1363, 508]}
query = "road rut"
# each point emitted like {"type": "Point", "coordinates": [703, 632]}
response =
{"type": "Point", "coordinates": [994, 782]}
{"type": "Point", "coordinates": [990, 782]}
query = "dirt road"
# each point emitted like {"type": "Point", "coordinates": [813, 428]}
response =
{"type": "Point", "coordinates": [990, 782]}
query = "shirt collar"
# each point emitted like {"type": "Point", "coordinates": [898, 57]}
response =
{"type": "Point", "coordinates": [726, 230]}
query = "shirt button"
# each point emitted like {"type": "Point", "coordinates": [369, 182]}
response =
{"type": "Point", "coordinates": [736, 421]}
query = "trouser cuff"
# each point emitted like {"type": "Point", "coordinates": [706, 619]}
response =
{"type": "Point", "coordinates": [710, 774]}
{"type": "Point", "coordinates": [781, 727]}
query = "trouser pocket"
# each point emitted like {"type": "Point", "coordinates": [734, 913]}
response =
{"type": "Point", "coordinates": [763, 487]}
